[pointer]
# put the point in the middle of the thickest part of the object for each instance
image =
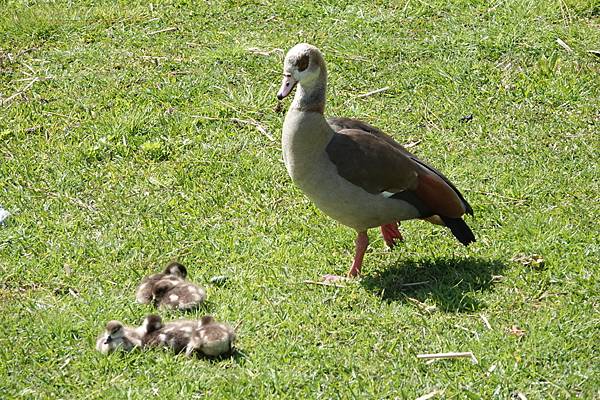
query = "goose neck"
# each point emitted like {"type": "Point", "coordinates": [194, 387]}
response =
{"type": "Point", "coordinates": [310, 96]}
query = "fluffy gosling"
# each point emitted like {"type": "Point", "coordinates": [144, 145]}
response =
{"type": "Point", "coordinates": [174, 335]}
{"type": "Point", "coordinates": [116, 336]}
{"type": "Point", "coordinates": [212, 338]}
{"type": "Point", "coordinates": [177, 295]}
{"type": "Point", "coordinates": [173, 272]}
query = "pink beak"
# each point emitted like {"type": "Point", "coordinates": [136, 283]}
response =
{"type": "Point", "coordinates": [287, 85]}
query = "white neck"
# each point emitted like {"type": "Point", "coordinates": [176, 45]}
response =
{"type": "Point", "coordinates": [310, 96]}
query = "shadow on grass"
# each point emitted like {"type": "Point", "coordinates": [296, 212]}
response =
{"type": "Point", "coordinates": [449, 284]}
{"type": "Point", "coordinates": [236, 356]}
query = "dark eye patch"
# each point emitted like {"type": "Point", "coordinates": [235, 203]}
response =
{"type": "Point", "coordinates": [303, 62]}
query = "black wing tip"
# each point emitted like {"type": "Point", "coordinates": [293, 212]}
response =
{"type": "Point", "coordinates": [469, 210]}
{"type": "Point", "coordinates": [460, 230]}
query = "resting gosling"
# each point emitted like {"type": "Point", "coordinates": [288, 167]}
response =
{"type": "Point", "coordinates": [212, 339]}
{"type": "Point", "coordinates": [174, 335]}
{"type": "Point", "coordinates": [116, 336]}
{"type": "Point", "coordinates": [173, 272]}
{"type": "Point", "coordinates": [177, 295]}
{"type": "Point", "coordinates": [150, 324]}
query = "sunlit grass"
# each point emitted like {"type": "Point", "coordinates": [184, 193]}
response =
{"type": "Point", "coordinates": [122, 148]}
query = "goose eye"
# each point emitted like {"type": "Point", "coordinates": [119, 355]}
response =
{"type": "Point", "coordinates": [303, 62]}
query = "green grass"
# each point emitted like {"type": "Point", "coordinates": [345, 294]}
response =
{"type": "Point", "coordinates": [118, 153]}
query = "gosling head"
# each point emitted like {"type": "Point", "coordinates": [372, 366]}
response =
{"type": "Point", "coordinates": [303, 64]}
{"type": "Point", "coordinates": [176, 269]}
{"type": "Point", "coordinates": [160, 290]}
{"type": "Point", "coordinates": [115, 331]}
{"type": "Point", "coordinates": [152, 323]}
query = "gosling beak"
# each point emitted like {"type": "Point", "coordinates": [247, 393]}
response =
{"type": "Point", "coordinates": [108, 340]}
{"type": "Point", "coordinates": [287, 85]}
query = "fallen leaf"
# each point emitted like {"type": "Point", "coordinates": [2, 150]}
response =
{"type": "Point", "coordinates": [422, 306]}
{"type": "Point", "coordinates": [516, 331]}
{"type": "Point", "coordinates": [430, 395]}
{"type": "Point", "coordinates": [564, 45]}
{"type": "Point", "coordinates": [256, 50]}
{"type": "Point", "coordinates": [531, 260]}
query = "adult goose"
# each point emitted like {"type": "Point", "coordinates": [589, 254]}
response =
{"type": "Point", "coordinates": [353, 171]}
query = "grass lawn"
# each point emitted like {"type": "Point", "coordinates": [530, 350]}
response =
{"type": "Point", "coordinates": [135, 133]}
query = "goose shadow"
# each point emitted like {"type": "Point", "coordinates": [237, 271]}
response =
{"type": "Point", "coordinates": [451, 284]}
{"type": "Point", "coordinates": [236, 356]}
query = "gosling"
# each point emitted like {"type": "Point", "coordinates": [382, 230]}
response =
{"type": "Point", "coordinates": [174, 335]}
{"type": "Point", "coordinates": [116, 336]}
{"type": "Point", "coordinates": [174, 272]}
{"type": "Point", "coordinates": [182, 295]}
{"type": "Point", "coordinates": [212, 339]}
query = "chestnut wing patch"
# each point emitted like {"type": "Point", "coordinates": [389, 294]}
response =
{"type": "Point", "coordinates": [342, 124]}
{"type": "Point", "coordinates": [371, 162]}
{"type": "Point", "coordinates": [439, 196]}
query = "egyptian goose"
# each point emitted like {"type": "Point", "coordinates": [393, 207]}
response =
{"type": "Point", "coordinates": [354, 172]}
{"type": "Point", "coordinates": [173, 271]}
{"type": "Point", "coordinates": [117, 336]}
{"type": "Point", "coordinates": [212, 339]}
{"type": "Point", "coordinates": [177, 295]}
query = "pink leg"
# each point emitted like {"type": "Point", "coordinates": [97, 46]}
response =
{"type": "Point", "coordinates": [390, 233]}
{"type": "Point", "coordinates": [361, 243]}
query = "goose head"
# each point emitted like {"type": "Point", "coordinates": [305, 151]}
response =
{"type": "Point", "coordinates": [303, 65]}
